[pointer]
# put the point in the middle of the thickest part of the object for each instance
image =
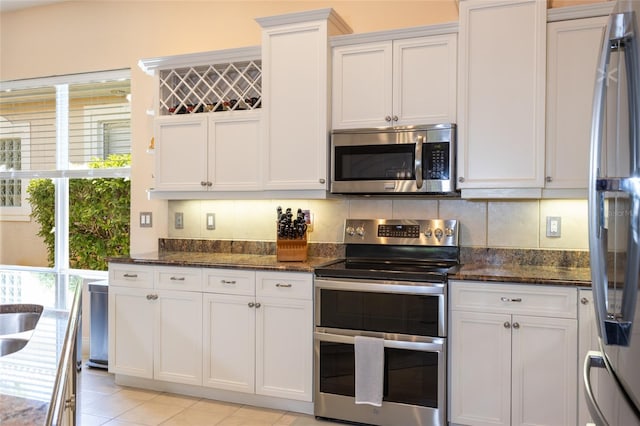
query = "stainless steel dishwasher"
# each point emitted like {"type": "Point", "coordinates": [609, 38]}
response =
{"type": "Point", "coordinates": [99, 325]}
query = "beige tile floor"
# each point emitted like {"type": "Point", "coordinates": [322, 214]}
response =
{"type": "Point", "coordinates": [102, 402]}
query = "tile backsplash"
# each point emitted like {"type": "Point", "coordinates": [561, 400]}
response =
{"type": "Point", "coordinates": [517, 224]}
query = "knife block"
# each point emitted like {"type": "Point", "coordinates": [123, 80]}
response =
{"type": "Point", "coordinates": [291, 250]}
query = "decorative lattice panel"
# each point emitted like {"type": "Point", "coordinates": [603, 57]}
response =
{"type": "Point", "coordinates": [211, 88]}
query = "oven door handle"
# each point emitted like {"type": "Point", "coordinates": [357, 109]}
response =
{"type": "Point", "coordinates": [380, 286]}
{"type": "Point", "coordinates": [424, 344]}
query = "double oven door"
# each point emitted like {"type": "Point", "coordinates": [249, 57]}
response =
{"type": "Point", "coordinates": [411, 318]}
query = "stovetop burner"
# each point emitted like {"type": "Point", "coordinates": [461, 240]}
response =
{"type": "Point", "coordinates": [397, 250]}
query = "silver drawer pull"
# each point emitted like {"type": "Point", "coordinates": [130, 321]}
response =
{"type": "Point", "coordinates": [225, 282]}
{"type": "Point", "coordinates": [152, 297]}
{"type": "Point", "coordinates": [507, 299]}
{"type": "Point", "coordinates": [258, 305]}
{"type": "Point", "coordinates": [251, 304]}
{"type": "Point", "coordinates": [177, 278]}
{"type": "Point", "coordinates": [130, 275]}
{"type": "Point", "coordinates": [283, 285]}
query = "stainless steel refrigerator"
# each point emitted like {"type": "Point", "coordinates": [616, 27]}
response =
{"type": "Point", "coordinates": [614, 222]}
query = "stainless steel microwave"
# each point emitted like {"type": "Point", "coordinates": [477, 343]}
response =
{"type": "Point", "coordinates": [399, 160]}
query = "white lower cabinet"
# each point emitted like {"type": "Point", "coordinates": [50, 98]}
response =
{"type": "Point", "coordinates": [260, 343]}
{"type": "Point", "coordinates": [155, 329]}
{"type": "Point", "coordinates": [512, 354]}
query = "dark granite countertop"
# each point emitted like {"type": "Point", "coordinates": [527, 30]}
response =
{"type": "Point", "coordinates": [552, 275]}
{"type": "Point", "coordinates": [223, 260]}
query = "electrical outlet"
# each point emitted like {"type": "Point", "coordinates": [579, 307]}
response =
{"type": "Point", "coordinates": [211, 221]}
{"type": "Point", "coordinates": [179, 220]}
{"type": "Point", "coordinates": [554, 226]}
{"type": "Point", "coordinates": [308, 219]}
{"type": "Point", "coordinates": [146, 220]}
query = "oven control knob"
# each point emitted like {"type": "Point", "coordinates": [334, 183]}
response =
{"type": "Point", "coordinates": [438, 233]}
{"type": "Point", "coordinates": [350, 231]}
{"type": "Point", "coordinates": [428, 233]}
{"type": "Point", "coordinates": [448, 232]}
{"type": "Point", "coordinates": [360, 231]}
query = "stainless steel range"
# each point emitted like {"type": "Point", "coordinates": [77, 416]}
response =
{"type": "Point", "coordinates": [390, 289]}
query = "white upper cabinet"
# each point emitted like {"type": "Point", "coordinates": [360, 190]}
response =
{"type": "Point", "coordinates": [395, 82]}
{"type": "Point", "coordinates": [501, 96]}
{"type": "Point", "coordinates": [209, 152]}
{"type": "Point", "coordinates": [572, 56]}
{"type": "Point", "coordinates": [295, 87]}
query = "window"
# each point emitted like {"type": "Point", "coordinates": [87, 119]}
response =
{"type": "Point", "coordinates": [14, 141]}
{"type": "Point", "coordinates": [59, 130]}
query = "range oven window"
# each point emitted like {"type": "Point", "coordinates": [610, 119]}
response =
{"type": "Point", "coordinates": [411, 314]}
{"type": "Point", "coordinates": [375, 162]}
{"type": "Point", "coordinates": [410, 376]}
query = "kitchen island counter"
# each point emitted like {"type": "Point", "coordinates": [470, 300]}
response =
{"type": "Point", "coordinates": [27, 377]}
{"type": "Point", "coordinates": [549, 275]}
{"type": "Point", "coordinates": [223, 260]}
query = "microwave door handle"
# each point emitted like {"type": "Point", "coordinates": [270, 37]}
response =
{"type": "Point", "coordinates": [418, 164]}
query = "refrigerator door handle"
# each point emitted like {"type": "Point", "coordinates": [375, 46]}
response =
{"type": "Point", "coordinates": [615, 329]}
{"type": "Point", "coordinates": [593, 359]}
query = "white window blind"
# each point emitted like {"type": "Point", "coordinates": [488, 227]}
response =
{"type": "Point", "coordinates": [72, 120]}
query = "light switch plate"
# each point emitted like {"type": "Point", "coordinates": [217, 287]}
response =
{"type": "Point", "coordinates": [554, 224]}
{"type": "Point", "coordinates": [211, 221]}
{"type": "Point", "coordinates": [146, 220]}
{"type": "Point", "coordinates": [179, 220]}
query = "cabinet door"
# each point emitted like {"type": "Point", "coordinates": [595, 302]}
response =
{"type": "Point", "coordinates": [131, 324]}
{"type": "Point", "coordinates": [235, 152]}
{"type": "Point", "coordinates": [424, 80]}
{"type": "Point", "coordinates": [572, 57]}
{"type": "Point", "coordinates": [544, 369]}
{"type": "Point", "coordinates": [295, 106]}
{"type": "Point", "coordinates": [181, 153]}
{"type": "Point", "coordinates": [178, 337]}
{"type": "Point", "coordinates": [284, 348]}
{"type": "Point", "coordinates": [229, 342]}
{"type": "Point", "coordinates": [501, 102]}
{"type": "Point", "coordinates": [362, 85]}
{"type": "Point", "coordinates": [480, 368]}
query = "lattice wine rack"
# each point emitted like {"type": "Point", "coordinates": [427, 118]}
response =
{"type": "Point", "coordinates": [211, 88]}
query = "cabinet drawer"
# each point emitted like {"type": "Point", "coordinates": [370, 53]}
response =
{"type": "Point", "coordinates": [291, 285]}
{"type": "Point", "coordinates": [126, 275]}
{"type": "Point", "coordinates": [230, 281]}
{"type": "Point", "coordinates": [171, 278]}
{"type": "Point", "coordinates": [537, 300]}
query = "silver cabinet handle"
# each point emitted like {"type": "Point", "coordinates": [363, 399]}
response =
{"type": "Point", "coordinates": [395, 118]}
{"type": "Point", "coordinates": [593, 359]}
{"type": "Point", "coordinates": [209, 183]}
{"type": "Point", "coordinates": [321, 180]}
{"type": "Point", "coordinates": [177, 278]}
{"type": "Point", "coordinates": [508, 299]}
{"type": "Point", "coordinates": [549, 179]}
{"type": "Point", "coordinates": [203, 183]}
{"type": "Point", "coordinates": [130, 275]}
{"type": "Point", "coordinates": [387, 118]}
{"type": "Point", "coordinates": [283, 285]}
{"type": "Point", "coordinates": [461, 179]}
{"type": "Point", "coordinates": [418, 164]}
{"type": "Point", "coordinates": [152, 297]}
{"type": "Point", "coordinates": [258, 305]}
{"type": "Point", "coordinates": [584, 301]}
{"type": "Point", "coordinates": [507, 324]}
{"type": "Point", "coordinates": [516, 325]}
{"type": "Point", "coordinates": [251, 304]}
{"type": "Point", "coordinates": [225, 282]}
